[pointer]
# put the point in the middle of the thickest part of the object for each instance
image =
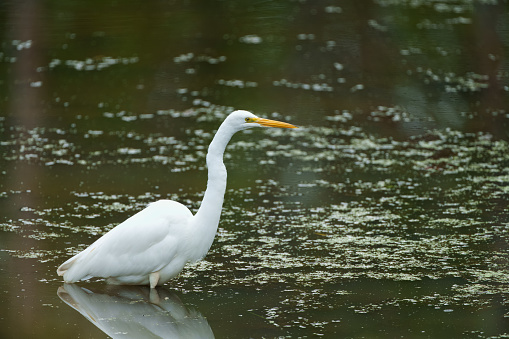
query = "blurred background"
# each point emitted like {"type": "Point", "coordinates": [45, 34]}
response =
{"type": "Point", "coordinates": [383, 215]}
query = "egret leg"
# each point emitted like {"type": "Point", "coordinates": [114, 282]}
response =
{"type": "Point", "coordinates": [154, 279]}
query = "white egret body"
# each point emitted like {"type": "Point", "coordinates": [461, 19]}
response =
{"type": "Point", "coordinates": [155, 244]}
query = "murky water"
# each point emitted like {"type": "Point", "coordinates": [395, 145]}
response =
{"type": "Point", "coordinates": [384, 215]}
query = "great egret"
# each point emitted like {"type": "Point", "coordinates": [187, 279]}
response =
{"type": "Point", "coordinates": [155, 244]}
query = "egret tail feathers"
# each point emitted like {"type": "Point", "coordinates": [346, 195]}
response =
{"type": "Point", "coordinates": [65, 266]}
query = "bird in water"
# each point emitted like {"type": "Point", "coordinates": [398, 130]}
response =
{"type": "Point", "coordinates": [155, 244]}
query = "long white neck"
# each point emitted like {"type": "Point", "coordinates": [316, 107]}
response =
{"type": "Point", "coordinates": [206, 219]}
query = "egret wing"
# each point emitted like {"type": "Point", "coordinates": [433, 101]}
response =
{"type": "Point", "coordinates": [142, 244]}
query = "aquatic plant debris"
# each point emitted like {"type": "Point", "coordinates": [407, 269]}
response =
{"type": "Point", "coordinates": [384, 214]}
{"type": "Point", "coordinates": [428, 208]}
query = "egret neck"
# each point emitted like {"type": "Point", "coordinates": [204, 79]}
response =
{"type": "Point", "coordinates": [206, 219]}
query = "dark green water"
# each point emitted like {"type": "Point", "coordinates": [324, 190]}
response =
{"type": "Point", "coordinates": [384, 215]}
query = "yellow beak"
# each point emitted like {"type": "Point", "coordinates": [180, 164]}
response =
{"type": "Point", "coordinates": [273, 123]}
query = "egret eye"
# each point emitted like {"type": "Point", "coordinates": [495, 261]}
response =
{"type": "Point", "coordinates": [247, 119]}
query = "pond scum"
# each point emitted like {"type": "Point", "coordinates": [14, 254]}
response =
{"type": "Point", "coordinates": [331, 206]}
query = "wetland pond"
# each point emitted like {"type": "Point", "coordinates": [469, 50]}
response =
{"type": "Point", "coordinates": [384, 215]}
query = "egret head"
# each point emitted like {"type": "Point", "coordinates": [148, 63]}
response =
{"type": "Point", "coordinates": [244, 120]}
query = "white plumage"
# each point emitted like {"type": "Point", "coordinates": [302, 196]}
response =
{"type": "Point", "coordinates": [155, 244]}
{"type": "Point", "coordinates": [137, 312]}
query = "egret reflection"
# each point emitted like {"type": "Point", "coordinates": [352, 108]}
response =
{"type": "Point", "coordinates": [136, 312]}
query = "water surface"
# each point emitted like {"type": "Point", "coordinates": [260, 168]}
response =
{"type": "Point", "coordinates": [383, 215]}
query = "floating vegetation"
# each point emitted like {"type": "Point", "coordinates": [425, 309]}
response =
{"type": "Point", "coordinates": [389, 202]}
{"type": "Point", "coordinates": [470, 82]}
{"type": "Point", "coordinates": [392, 113]}
{"type": "Point", "coordinates": [237, 83]}
{"type": "Point", "coordinates": [191, 57]}
{"type": "Point", "coordinates": [344, 116]}
{"type": "Point", "coordinates": [456, 7]}
{"type": "Point", "coordinates": [20, 45]}
{"type": "Point", "coordinates": [317, 87]}
{"type": "Point", "coordinates": [92, 64]}
{"type": "Point", "coordinates": [252, 39]}
{"type": "Point", "coordinates": [333, 9]}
